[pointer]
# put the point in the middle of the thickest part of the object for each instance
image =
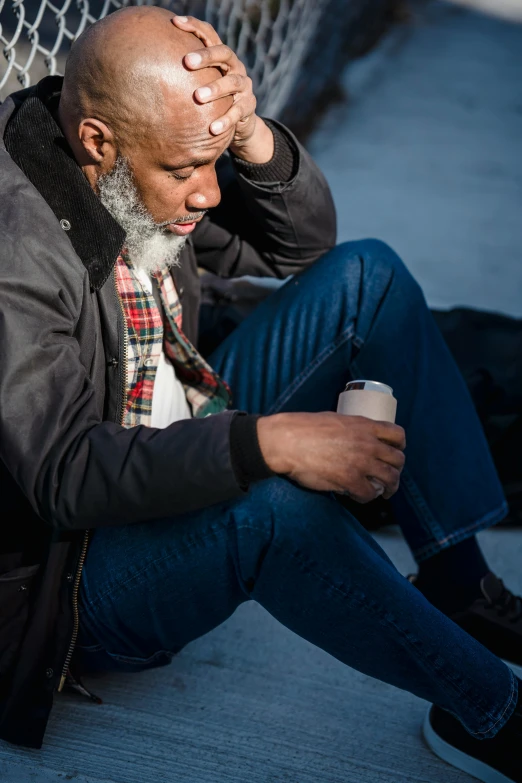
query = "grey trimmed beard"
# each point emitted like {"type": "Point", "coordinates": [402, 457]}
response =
{"type": "Point", "coordinates": [149, 245]}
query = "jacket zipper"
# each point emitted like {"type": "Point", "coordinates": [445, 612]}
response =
{"type": "Point", "coordinates": [76, 614]}
{"type": "Point", "coordinates": [85, 543]}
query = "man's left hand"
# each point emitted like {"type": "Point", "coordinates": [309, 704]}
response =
{"type": "Point", "coordinates": [253, 140]}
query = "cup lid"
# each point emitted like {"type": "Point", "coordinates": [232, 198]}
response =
{"type": "Point", "coordinates": [369, 386]}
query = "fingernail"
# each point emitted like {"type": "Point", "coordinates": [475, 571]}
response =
{"type": "Point", "coordinates": [204, 92]}
{"type": "Point", "coordinates": [194, 59]}
{"type": "Point", "coordinates": [182, 18]}
{"type": "Point", "coordinates": [216, 127]}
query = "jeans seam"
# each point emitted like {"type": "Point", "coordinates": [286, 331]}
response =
{"type": "Point", "coordinates": [136, 659]}
{"type": "Point", "coordinates": [429, 523]}
{"type": "Point", "coordinates": [303, 376]}
{"type": "Point", "coordinates": [486, 521]}
{"type": "Point", "coordinates": [367, 606]}
{"type": "Point", "coordinates": [96, 648]}
{"type": "Point", "coordinates": [511, 703]}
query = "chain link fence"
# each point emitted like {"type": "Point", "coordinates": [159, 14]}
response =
{"type": "Point", "coordinates": [292, 48]}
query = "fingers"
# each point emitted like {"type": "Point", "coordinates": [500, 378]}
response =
{"type": "Point", "coordinates": [216, 53]}
{"type": "Point", "coordinates": [203, 30]}
{"type": "Point", "coordinates": [219, 56]}
{"type": "Point", "coordinates": [366, 490]}
{"type": "Point", "coordinates": [234, 81]}
{"type": "Point", "coordinates": [391, 455]}
{"type": "Point", "coordinates": [388, 476]}
{"type": "Point", "coordinates": [231, 84]}
{"type": "Point", "coordinates": [238, 112]}
{"type": "Point", "coordinates": [383, 430]}
{"type": "Point", "coordinates": [390, 433]}
{"type": "Point", "coordinates": [375, 461]}
{"type": "Point", "coordinates": [366, 478]}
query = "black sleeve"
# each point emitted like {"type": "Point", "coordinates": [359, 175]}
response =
{"type": "Point", "coordinates": [247, 458]}
{"type": "Point", "coordinates": [268, 228]}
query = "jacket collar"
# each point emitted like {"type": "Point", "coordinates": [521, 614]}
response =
{"type": "Point", "coordinates": [37, 145]}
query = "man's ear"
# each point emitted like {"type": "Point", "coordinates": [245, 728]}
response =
{"type": "Point", "coordinates": [98, 142]}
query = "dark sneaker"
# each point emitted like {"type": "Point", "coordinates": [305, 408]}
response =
{"type": "Point", "coordinates": [495, 620]}
{"type": "Point", "coordinates": [497, 760]}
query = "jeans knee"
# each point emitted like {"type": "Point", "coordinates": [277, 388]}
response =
{"type": "Point", "coordinates": [287, 514]}
{"type": "Point", "coordinates": [366, 262]}
{"type": "Point", "coordinates": [367, 278]}
{"type": "Point", "coordinates": [372, 250]}
{"type": "Point", "coordinates": [288, 523]}
{"type": "Point", "coordinates": [380, 260]}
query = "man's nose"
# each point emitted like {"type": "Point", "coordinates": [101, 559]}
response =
{"type": "Point", "coordinates": [206, 196]}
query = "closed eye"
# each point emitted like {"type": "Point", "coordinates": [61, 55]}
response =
{"type": "Point", "coordinates": [185, 172]}
{"type": "Point", "coordinates": [177, 174]}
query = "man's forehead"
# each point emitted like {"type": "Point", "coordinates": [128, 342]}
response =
{"type": "Point", "coordinates": [185, 130]}
{"type": "Point", "coordinates": [192, 147]}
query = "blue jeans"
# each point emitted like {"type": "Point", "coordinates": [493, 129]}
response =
{"type": "Point", "coordinates": [149, 589]}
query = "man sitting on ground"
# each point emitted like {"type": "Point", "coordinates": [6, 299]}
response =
{"type": "Point", "coordinates": [111, 422]}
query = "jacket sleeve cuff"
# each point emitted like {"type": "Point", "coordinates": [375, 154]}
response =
{"type": "Point", "coordinates": [283, 165]}
{"type": "Point", "coordinates": [246, 455]}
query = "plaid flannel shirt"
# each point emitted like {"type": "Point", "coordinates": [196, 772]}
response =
{"type": "Point", "coordinates": [147, 332]}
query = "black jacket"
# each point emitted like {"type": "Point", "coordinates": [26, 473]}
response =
{"type": "Point", "coordinates": [66, 463]}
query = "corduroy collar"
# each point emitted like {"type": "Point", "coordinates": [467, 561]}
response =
{"type": "Point", "coordinates": [37, 145]}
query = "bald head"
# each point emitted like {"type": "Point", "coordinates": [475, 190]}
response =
{"type": "Point", "coordinates": [127, 71]}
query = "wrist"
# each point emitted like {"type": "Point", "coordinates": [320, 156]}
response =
{"type": "Point", "coordinates": [258, 148]}
{"type": "Point", "coordinates": [272, 435]}
{"type": "Point", "coordinates": [245, 453]}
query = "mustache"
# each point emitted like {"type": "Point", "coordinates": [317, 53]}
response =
{"type": "Point", "coordinates": [184, 219]}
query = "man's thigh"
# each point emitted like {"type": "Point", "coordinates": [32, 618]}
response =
{"type": "Point", "coordinates": [150, 588]}
{"type": "Point", "coordinates": [293, 353]}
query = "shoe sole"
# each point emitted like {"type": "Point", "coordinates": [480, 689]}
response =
{"type": "Point", "coordinates": [458, 759]}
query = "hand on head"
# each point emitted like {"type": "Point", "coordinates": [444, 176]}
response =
{"type": "Point", "coordinates": [233, 82]}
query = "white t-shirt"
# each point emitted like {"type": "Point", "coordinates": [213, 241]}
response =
{"type": "Point", "coordinates": [169, 402]}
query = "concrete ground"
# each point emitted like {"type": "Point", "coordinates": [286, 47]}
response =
{"type": "Point", "coordinates": [425, 154]}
